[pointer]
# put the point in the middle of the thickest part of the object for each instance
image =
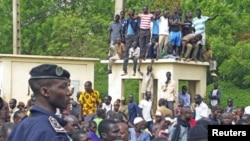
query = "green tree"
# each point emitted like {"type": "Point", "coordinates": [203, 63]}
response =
{"type": "Point", "coordinates": [6, 26]}
{"type": "Point", "coordinates": [152, 4]}
{"type": "Point", "coordinates": [68, 28]}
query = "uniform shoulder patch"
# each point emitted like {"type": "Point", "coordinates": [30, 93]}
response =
{"type": "Point", "coordinates": [56, 126]}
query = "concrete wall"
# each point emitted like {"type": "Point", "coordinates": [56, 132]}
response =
{"type": "Point", "coordinates": [194, 72]}
{"type": "Point", "coordinates": [14, 73]}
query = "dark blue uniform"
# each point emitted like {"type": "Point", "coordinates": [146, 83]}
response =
{"type": "Point", "coordinates": [40, 126]}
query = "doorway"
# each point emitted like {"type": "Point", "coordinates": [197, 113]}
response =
{"type": "Point", "coordinates": [131, 86]}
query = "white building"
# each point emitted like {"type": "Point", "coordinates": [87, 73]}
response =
{"type": "Point", "coordinates": [14, 73]}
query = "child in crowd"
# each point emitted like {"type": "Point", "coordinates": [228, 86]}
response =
{"type": "Point", "coordinates": [92, 130]}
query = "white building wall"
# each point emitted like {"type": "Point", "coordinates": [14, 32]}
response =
{"type": "Point", "coordinates": [193, 72]}
{"type": "Point", "coordinates": [14, 73]}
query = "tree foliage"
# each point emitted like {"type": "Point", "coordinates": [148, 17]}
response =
{"type": "Point", "coordinates": [59, 27]}
{"type": "Point", "coordinates": [6, 26]}
{"type": "Point", "coordinates": [152, 4]}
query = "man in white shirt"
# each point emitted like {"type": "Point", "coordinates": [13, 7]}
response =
{"type": "Point", "coordinates": [146, 106]}
{"type": "Point", "coordinates": [201, 109]}
{"type": "Point", "coordinates": [163, 29]}
{"type": "Point", "coordinates": [134, 54]}
{"type": "Point", "coordinates": [107, 103]}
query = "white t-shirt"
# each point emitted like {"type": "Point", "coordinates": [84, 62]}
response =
{"type": "Point", "coordinates": [134, 52]}
{"type": "Point", "coordinates": [163, 26]}
{"type": "Point", "coordinates": [106, 107]}
{"type": "Point", "coordinates": [146, 109]}
{"type": "Point", "coordinates": [201, 111]}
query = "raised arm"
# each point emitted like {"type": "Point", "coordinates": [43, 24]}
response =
{"type": "Point", "coordinates": [212, 18]}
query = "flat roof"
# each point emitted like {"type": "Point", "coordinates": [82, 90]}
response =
{"type": "Point", "coordinates": [162, 61]}
{"type": "Point", "coordinates": [47, 57]}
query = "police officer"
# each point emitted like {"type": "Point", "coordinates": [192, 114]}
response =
{"type": "Point", "coordinates": [49, 84]}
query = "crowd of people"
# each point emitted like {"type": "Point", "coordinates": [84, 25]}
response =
{"type": "Point", "coordinates": [91, 118]}
{"type": "Point", "coordinates": [52, 114]}
{"type": "Point", "coordinates": [159, 35]}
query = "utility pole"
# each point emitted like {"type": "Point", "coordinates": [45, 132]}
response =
{"type": "Point", "coordinates": [16, 27]}
{"type": "Point", "coordinates": [119, 6]}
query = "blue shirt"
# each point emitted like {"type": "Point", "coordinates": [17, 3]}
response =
{"type": "Point", "coordinates": [129, 26]}
{"type": "Point", "coordinates": [133, 110]}
{"type": "Point", "coordinates": [130, 30]}
{"type": "Point", "coordinates": [144, 136]}
{"type": "Point", "coordinates": [41, 125]}
{"type": "Point", "coordinates": [155, 27]}
{"type": "Point", "coordinates": [185, 97]}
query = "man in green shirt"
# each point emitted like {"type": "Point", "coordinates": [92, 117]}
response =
{"type": "Point", "coordinates": [100, 115]}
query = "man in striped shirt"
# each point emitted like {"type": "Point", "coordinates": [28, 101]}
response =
{"type": "Point", "coordinates": [144, 33]}
{"type": "Point", "coordinates": [199, 24]}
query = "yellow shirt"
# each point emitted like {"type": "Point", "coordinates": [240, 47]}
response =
{"type": "Point", "coordinates": [89, 102]}
{"type": "Point", "coordinates": [165, 111]}
{"type": "Point", "coordinates": [119, 49]}
{"type": "Point", "coordinates": [124, 109]}
{"type": "Point", "coordinates": [207, 54]}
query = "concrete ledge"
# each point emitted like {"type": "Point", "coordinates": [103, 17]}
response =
{"type": "Point", "coordinates": [160, 61]}
{"type": "Point", "coordinates": [14, 56]}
